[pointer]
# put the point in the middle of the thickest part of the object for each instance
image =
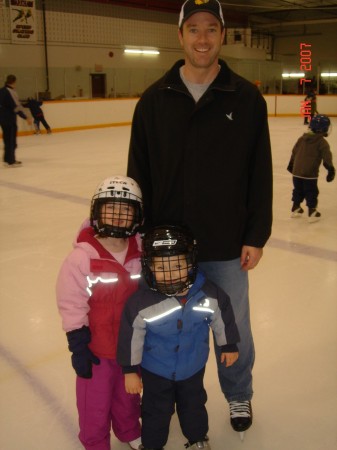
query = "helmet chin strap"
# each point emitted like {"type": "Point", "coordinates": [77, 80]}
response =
{"type": "Point", "coordinates": [181, 288]}
{"type": "Point", "coordinates": [116, 232]}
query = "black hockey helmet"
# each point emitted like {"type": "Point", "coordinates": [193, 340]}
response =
{"type": "Point", "coordinates": [174, 250]}
{"type": "Point", "coordinates": [320, 124]}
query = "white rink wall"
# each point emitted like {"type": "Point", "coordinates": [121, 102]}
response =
{"type": "Point", "coordinates": [68, 115]}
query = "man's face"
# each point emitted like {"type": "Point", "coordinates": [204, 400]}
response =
{"type": "Point", "coordinates": [201, 38]}
{"type": "Point", "coordinates": [117, 214]}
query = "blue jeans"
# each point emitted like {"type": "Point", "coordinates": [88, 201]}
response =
{"type": "Point", "coordinates": [235, 381]}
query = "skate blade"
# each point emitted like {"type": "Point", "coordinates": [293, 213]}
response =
{"type": "Point", "coordinates": [242, 435]}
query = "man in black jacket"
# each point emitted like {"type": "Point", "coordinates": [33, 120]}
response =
{"type": "Point", "coordinates": [10, 107]}
{"type": "Point", "coordinates": [200, 151]}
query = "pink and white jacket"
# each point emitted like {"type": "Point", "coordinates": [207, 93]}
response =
{"type": "Point", "coordinates": [92, 288]}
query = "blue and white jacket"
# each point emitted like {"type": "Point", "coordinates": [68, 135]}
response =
{"type": "Point", "coordinates": [171, 338]}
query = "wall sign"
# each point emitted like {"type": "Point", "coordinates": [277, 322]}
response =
{"type": "Point", "coordinates": [23, 21]}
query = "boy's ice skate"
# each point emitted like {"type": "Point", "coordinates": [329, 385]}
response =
{"type": "Point", "coordinates": [145, 448]}
{"type": "Point", "coordinates": [313, 215]}
{"type": "Point", "coordinates": [296, 211]}
{"type": "Point", "coordinates": [199, 445]}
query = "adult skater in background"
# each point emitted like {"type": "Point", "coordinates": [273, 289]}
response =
{"type": "Point", "coordinates": [10, 107]}
{"type": "Point", "coordinates": [200, 151]}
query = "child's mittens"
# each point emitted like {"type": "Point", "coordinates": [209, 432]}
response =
{"type": "Point", "coordinates": [290, 166]}
{"type": "Point", "coordinates": [331, 174]}
{"type": "Point", "coordinates": [82, 358]}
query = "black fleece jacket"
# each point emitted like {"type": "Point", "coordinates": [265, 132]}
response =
{"type": "Point", "coordinates": [206, 164]}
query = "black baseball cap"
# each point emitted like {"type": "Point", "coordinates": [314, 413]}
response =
{"type": "Point", "coordinates": [191, 7]}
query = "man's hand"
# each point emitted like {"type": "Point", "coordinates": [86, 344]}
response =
{"type": "Point", "coordinates": [250, 257]}
{"type": "Point", "coordinates": [133, 383]}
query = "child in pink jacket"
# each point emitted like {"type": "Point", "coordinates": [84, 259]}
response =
{"type": "Point", "coordinates": [93, 285]}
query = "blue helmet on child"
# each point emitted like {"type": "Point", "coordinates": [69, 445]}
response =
{"type": "Point", "coordinates": [320, 124]}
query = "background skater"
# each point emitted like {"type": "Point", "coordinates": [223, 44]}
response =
{"type": "Point", "coordinates": [307, 155]}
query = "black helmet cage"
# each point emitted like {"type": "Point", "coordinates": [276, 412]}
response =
{"type": "Point", "coordinates": [169, 241]}
{"type": "Point", "coordinates": [107, 230]}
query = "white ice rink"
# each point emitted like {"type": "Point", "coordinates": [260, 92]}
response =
{"type": "Point", "coordinates": [293, 295]}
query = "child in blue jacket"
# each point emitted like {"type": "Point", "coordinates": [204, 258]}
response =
{"type": "Point", "coordinates": [164, 336]}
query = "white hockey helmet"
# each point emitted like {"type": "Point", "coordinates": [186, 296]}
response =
{"type": "Point", "coordinates": [117, 189]}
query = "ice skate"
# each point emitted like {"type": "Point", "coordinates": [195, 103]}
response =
{"type": "Point", "coordinates": [296, 212]}
{"type": "Point", "coordinates": [13, 165]}
{"type": "Point", "coordinates": [241, 416]}
{"type": "Point", "coordinates": [313, 215]}
{"type": "Point", "coordinates": [136, 444]}
{"type": "Point", "coordinates": [146, 448]}
{"type": "Point", "coordinates": [199, 445]}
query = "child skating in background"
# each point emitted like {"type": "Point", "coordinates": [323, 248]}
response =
{"type": "Point", "coordinates": [93, 285]}
{"type": "Point", "coordinates": [34, 107]}
{"type": "Point", "coordinates": [309, 151]}
{"type": "Point", "coordinates": [312, 100]}
{"type": "Point", "coordinates": [165, 331]}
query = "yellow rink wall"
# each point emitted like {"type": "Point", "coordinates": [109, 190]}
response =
{"type": "Point", "coordinates": [81, 114]}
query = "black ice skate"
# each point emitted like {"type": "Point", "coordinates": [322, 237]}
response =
{"type": "Point", "coordinates": [146, 448]}
{"type": "Point", "coordinates": [313, 215]}
{"type": "Point", "coordinates": [296, 211]}
{"type": "Point", "coordinates": [241, 415]}
{"type": "Point", "coordinates": [199, 445]}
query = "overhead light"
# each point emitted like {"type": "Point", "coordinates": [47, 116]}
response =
{"type": "Point", "coordinates": [136, 51]}
{"type": "Point", "coordinates": [292, 75]}
{"type": "Point", "coordinates": [329, 74]}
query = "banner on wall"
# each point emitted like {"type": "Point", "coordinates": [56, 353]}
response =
{"type": "Point", "coordinates": [22, 17]}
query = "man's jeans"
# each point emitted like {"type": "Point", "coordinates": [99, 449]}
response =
{"type": "Point", "coordinates": [235, 381]}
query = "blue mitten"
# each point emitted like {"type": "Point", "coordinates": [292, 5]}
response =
{"type": "Point", "coordinates": [82, 358]}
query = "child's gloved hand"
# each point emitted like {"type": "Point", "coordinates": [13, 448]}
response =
{"type": "Point", "coordinates": [82, 358]}
{"type": "Point", "coordinates": [82, 363]}
{"type": "Point", "coordinates": [331, 174]}
{"type": "Point", "coordinates": [290, 166]}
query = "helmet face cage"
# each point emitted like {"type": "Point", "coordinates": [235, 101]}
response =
{"type": "Point", "coordinates": [116, 208]}
{"type": "Point", "coordinates": [169, 259]}
{"type": "Point", "coordinates": [320, 124]}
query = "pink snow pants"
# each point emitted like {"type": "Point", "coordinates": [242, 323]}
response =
{"type": "Point", "coordinates": [103, 404]}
